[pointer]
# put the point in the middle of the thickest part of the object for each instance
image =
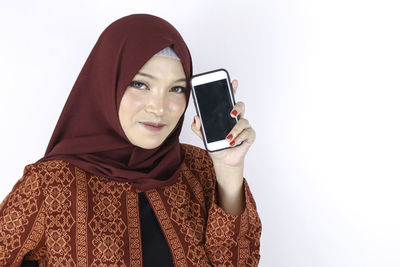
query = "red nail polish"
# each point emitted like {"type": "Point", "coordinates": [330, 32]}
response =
{"type": "Point", "coordinates": [229, 137]}
{"type": "Point", "coordinates": [232, 143]}
{"type": "Point", "coordinates": [234, 112]}
{"type": "Point", "coordinates": [194, 120]}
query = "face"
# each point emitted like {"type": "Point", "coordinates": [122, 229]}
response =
{"type": "Point", "coordinates": [154, 102]}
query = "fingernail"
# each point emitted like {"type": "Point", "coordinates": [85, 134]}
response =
{"type": "Point", "coordinates": [232, 143]}
{"type": "Point", "coordinates": [229, 137]}
{"type": "Point", "coordinates": [234, 112]}
{"type": "Point", "coordinates": [194, 120]}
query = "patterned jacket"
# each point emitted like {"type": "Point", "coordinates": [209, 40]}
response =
{"type": "Point", "coordinates": [60, 215]}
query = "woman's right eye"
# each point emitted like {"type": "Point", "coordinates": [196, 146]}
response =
{"type": "Point", "coordinates": [138, 85]}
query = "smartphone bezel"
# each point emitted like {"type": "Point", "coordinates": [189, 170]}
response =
{"type": "Point", "coordinates": [207, 77]}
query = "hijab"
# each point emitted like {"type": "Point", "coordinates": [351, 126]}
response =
{"type": "Point", "coordinates": [88, 133]}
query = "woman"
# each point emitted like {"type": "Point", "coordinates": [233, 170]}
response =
{"type": "Point", "coordinates": [115, 187]}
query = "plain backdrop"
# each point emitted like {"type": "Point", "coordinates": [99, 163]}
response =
{"type": "Point", "coordinates": [320, 80]}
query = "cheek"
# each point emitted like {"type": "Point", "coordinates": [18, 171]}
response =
{"type": "Point", "coordinates": [130, 105]}
{"type": "Point", "coordinates": [177, 106]}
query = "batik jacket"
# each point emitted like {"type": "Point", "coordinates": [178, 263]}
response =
{"type": "Point", "coordinates": [59, 215]}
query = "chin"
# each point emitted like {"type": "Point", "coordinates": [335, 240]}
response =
{"type": "Point", "coordinates": [150, 146]}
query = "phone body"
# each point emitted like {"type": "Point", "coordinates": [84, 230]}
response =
{"type": "Point", "coordinates": [214, 100]}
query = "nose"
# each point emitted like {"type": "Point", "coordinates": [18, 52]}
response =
{"type": "Point", "coordinates": [156, 103]}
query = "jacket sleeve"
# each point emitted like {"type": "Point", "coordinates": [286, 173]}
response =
{"type": "Point", "coordinates": [229, 240]}
{"type": "Point", "coordinates": [234, 240]}
{"type": "Point", "coordinates": [22, 218]}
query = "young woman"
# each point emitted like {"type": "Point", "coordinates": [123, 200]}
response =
{"type": "Point", "coordinates": [115, 187]}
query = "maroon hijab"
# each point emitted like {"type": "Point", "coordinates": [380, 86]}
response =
{"type": "Point", "coordinates": [88, 133]}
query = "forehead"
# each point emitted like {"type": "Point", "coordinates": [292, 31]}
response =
{"type": "Point", "coordinates": [164, 67]}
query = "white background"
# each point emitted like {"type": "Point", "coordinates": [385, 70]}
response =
{"type": "Point", "coordinates": [321, 81]}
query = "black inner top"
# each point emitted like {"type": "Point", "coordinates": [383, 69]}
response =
{"type": "Point", "coordinates": [155, 249]}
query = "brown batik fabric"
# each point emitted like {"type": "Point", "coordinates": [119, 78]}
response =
{"type": "Point", "coordinates": [60, 215]}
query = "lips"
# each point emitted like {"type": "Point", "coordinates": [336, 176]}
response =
{"type": "Point", "coordinates": [153, 126]}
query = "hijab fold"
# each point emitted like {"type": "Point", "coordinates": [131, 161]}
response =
{"type": "Point", "coordinates": [88, 133]}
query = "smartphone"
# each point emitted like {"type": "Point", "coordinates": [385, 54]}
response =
{"type": "Point", "coordinates": [214, 100]}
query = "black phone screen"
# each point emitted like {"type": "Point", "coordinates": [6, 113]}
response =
{"type": "Point", "coordinates": [215, 105]}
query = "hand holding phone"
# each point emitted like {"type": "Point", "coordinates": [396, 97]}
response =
{"type": "Point", "coordinates": [214, 100]}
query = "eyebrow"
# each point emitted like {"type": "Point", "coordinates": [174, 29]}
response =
{"type": "Point", "coordinates": [154, 78]}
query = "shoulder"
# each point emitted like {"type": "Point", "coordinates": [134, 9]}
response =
{"type": "Point", "coordinates": [196, 156]}
{"type": "Point", "coordinates": [199, 165]}
{"type": "Point", "coordinates": [36, 178]}
{"type": "Point", "coordinates": [46, 172]}
{"type": "Point", "coordinates": [48, 167]}
{"type": "Point", "coordinates": [193, 150]}
{"type": "Point", "coordinates": [199, 170]}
